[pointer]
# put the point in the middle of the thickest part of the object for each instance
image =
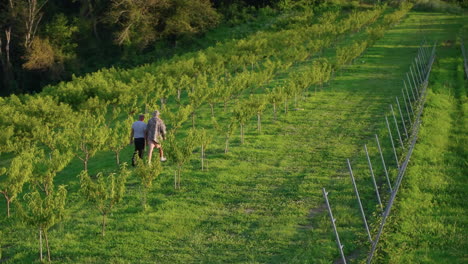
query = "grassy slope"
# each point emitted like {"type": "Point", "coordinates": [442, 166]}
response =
{"type": "Point", "coordinates": [430, 224]}
{"type": "Point", "coordinates": [261, 203]}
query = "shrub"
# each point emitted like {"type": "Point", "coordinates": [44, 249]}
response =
{"type": "Point", "coordinates": [437, 6]}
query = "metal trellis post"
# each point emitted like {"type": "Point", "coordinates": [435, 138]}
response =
{"type": "Point", "coordinates": [373, 177]}
{"type": "Point", "coordinates": [402, 118]}
{"type": "Point", "coordinates": [359, 201]}
{"type": "Point", "coordinates": [391, 140]}
{"type": "Point", "coordinates": [333, 220]}
{"type": "Point", "coordinates": [383, 163]}
{"type": "Point", "coordinates": [397, 128]}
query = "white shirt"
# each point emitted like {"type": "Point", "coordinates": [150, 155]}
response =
{"type": "Point", "coordinates": [139, 128]}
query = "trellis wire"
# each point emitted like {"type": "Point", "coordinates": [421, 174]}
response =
{"type": "Point", "coordinates": [420, 82]}
{"type": "Point", "coordinates": [402, 170]}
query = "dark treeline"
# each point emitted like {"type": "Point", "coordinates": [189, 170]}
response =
{"type": "Point", "coordinates": [46, 41]}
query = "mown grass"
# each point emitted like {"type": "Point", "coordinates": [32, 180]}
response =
{"type": "Point", "coordinates": [430, 224]}
{"type": "Point", "coordinates": [261, 202]}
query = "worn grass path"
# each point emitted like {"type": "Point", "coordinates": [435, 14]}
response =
{"type": "Point", "coordinates": [261, 202]}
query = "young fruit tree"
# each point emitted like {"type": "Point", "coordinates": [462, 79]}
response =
{"type": "Point", "coordinates": [227, 129]}
{"type": "Point", "coordinates": [47, 166]}
{"type": "Point", "coordinates": [257, 103]}
{"type": "Point", "coordinates": [205, 140]}
{"type": "Point", "coordinates": [147, 172]}
{"type": "Point", "coordinates": [90, 136]}
{"type": "Point", "coordinates": [42, 211]}
{"type": "Point", "coordinates": [177, 118]}
{"type": "Point", "coordinates": [274, 96]}
{"type": "Point", "coordinates": [118, 137]}
{"type": "Point", "coordinates": [104, 192]}
{"type": "Point", "coordinates": [216, 92]}
{"type": "Point", "coordinates": [242, 113]}
{"type": "Point", "coordinates": [180, 151]}
{"type": "Point", "coordinates": [198, 94]}
{"type": "Point", "coordinates": [16, 175]}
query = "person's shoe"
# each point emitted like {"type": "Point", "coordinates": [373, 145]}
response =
{"type": "Point", "coordinates": [163, 159]}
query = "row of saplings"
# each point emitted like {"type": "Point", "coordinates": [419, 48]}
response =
{"type": "Point", "coordinates": [43, 205]}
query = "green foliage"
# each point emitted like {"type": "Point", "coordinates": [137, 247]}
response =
{"type": "Point", "coordinates": [205, 140]}
{"type": "Point", "coordinates": [60, 32]}
{"type": "Point", "coordinates": [44, 211]}
{"type": "Point", "coordinates": [437, 6]}
{"type": "Point", "coordinates": [147, 172]}
{"type": "Point", "coordinates": [104, 192]}
{"type": "Point", "coordinates": [89, 137]}
{"type": "Point", "coordinates": [47, 166]}
{"type": "Point", "coordinates": [40, 56]}
{"type": "Point", "coordinates": [117, 138]}
{"type": "Point", "coordinates": [16, 175]}
{"type": "Point", "coordinates": [142, 22]}
{"type": "Point", "coordinates": [181, 150]}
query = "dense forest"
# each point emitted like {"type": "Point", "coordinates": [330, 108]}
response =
{"type": "Point", "coordinates": [46, 41]}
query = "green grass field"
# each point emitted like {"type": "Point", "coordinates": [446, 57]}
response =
{"type": "Point", "coordinates": [429, 225]}
{"type": "Point", "coordinates": [262, 201]}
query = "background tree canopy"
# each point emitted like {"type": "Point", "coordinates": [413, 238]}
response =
{"type": "Point", "coordinates": [46, 41]}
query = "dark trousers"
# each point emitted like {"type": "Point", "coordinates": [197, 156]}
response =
{"type": "Point", "coordinates": [139, 148]}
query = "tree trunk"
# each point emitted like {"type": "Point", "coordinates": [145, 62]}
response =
{"type": "Point", "coordinates": [242, 133]}
{"type": "Point", "coordinates": [86, 159]}
{"type": "Point", "coordinates": [47, 245]}
{"type": "Point", "coordinates": [274, 111]}
{"type": "Point", "coordinates": [103, 224]}
{"type": "Point", "coordinates": [40, 244]}
{"type": "Point", "coordinates": [202, 157]}
{"type": "Point", "coordinates": [193, 119]}
{"type": "Point", "coordinates": [85, 164]}
{"type": "Point", "coordinates": [212, 109]}
{"type": "Point", "coordinates": [5, 61]}
{"type": "Point", "coordinates": [179, 92]}
{"type": "Point", "coordinates": [7, 46]}
{"type": "Point", "coordinates": [178, 180]}
{"type": "Point", "coordinates": [259, 123]}
{"type": "Point", "coordinates": [96, 33]}
{"type": "Point", "coordinates": [117, 157]}
{"type": "Point", "coordinates": [226, 148]}
{"type": "Point", "coordinates": [8, 206]}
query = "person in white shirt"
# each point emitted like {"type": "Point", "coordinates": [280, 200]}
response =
{"type": "Point", "coordinates": [137, 136]}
